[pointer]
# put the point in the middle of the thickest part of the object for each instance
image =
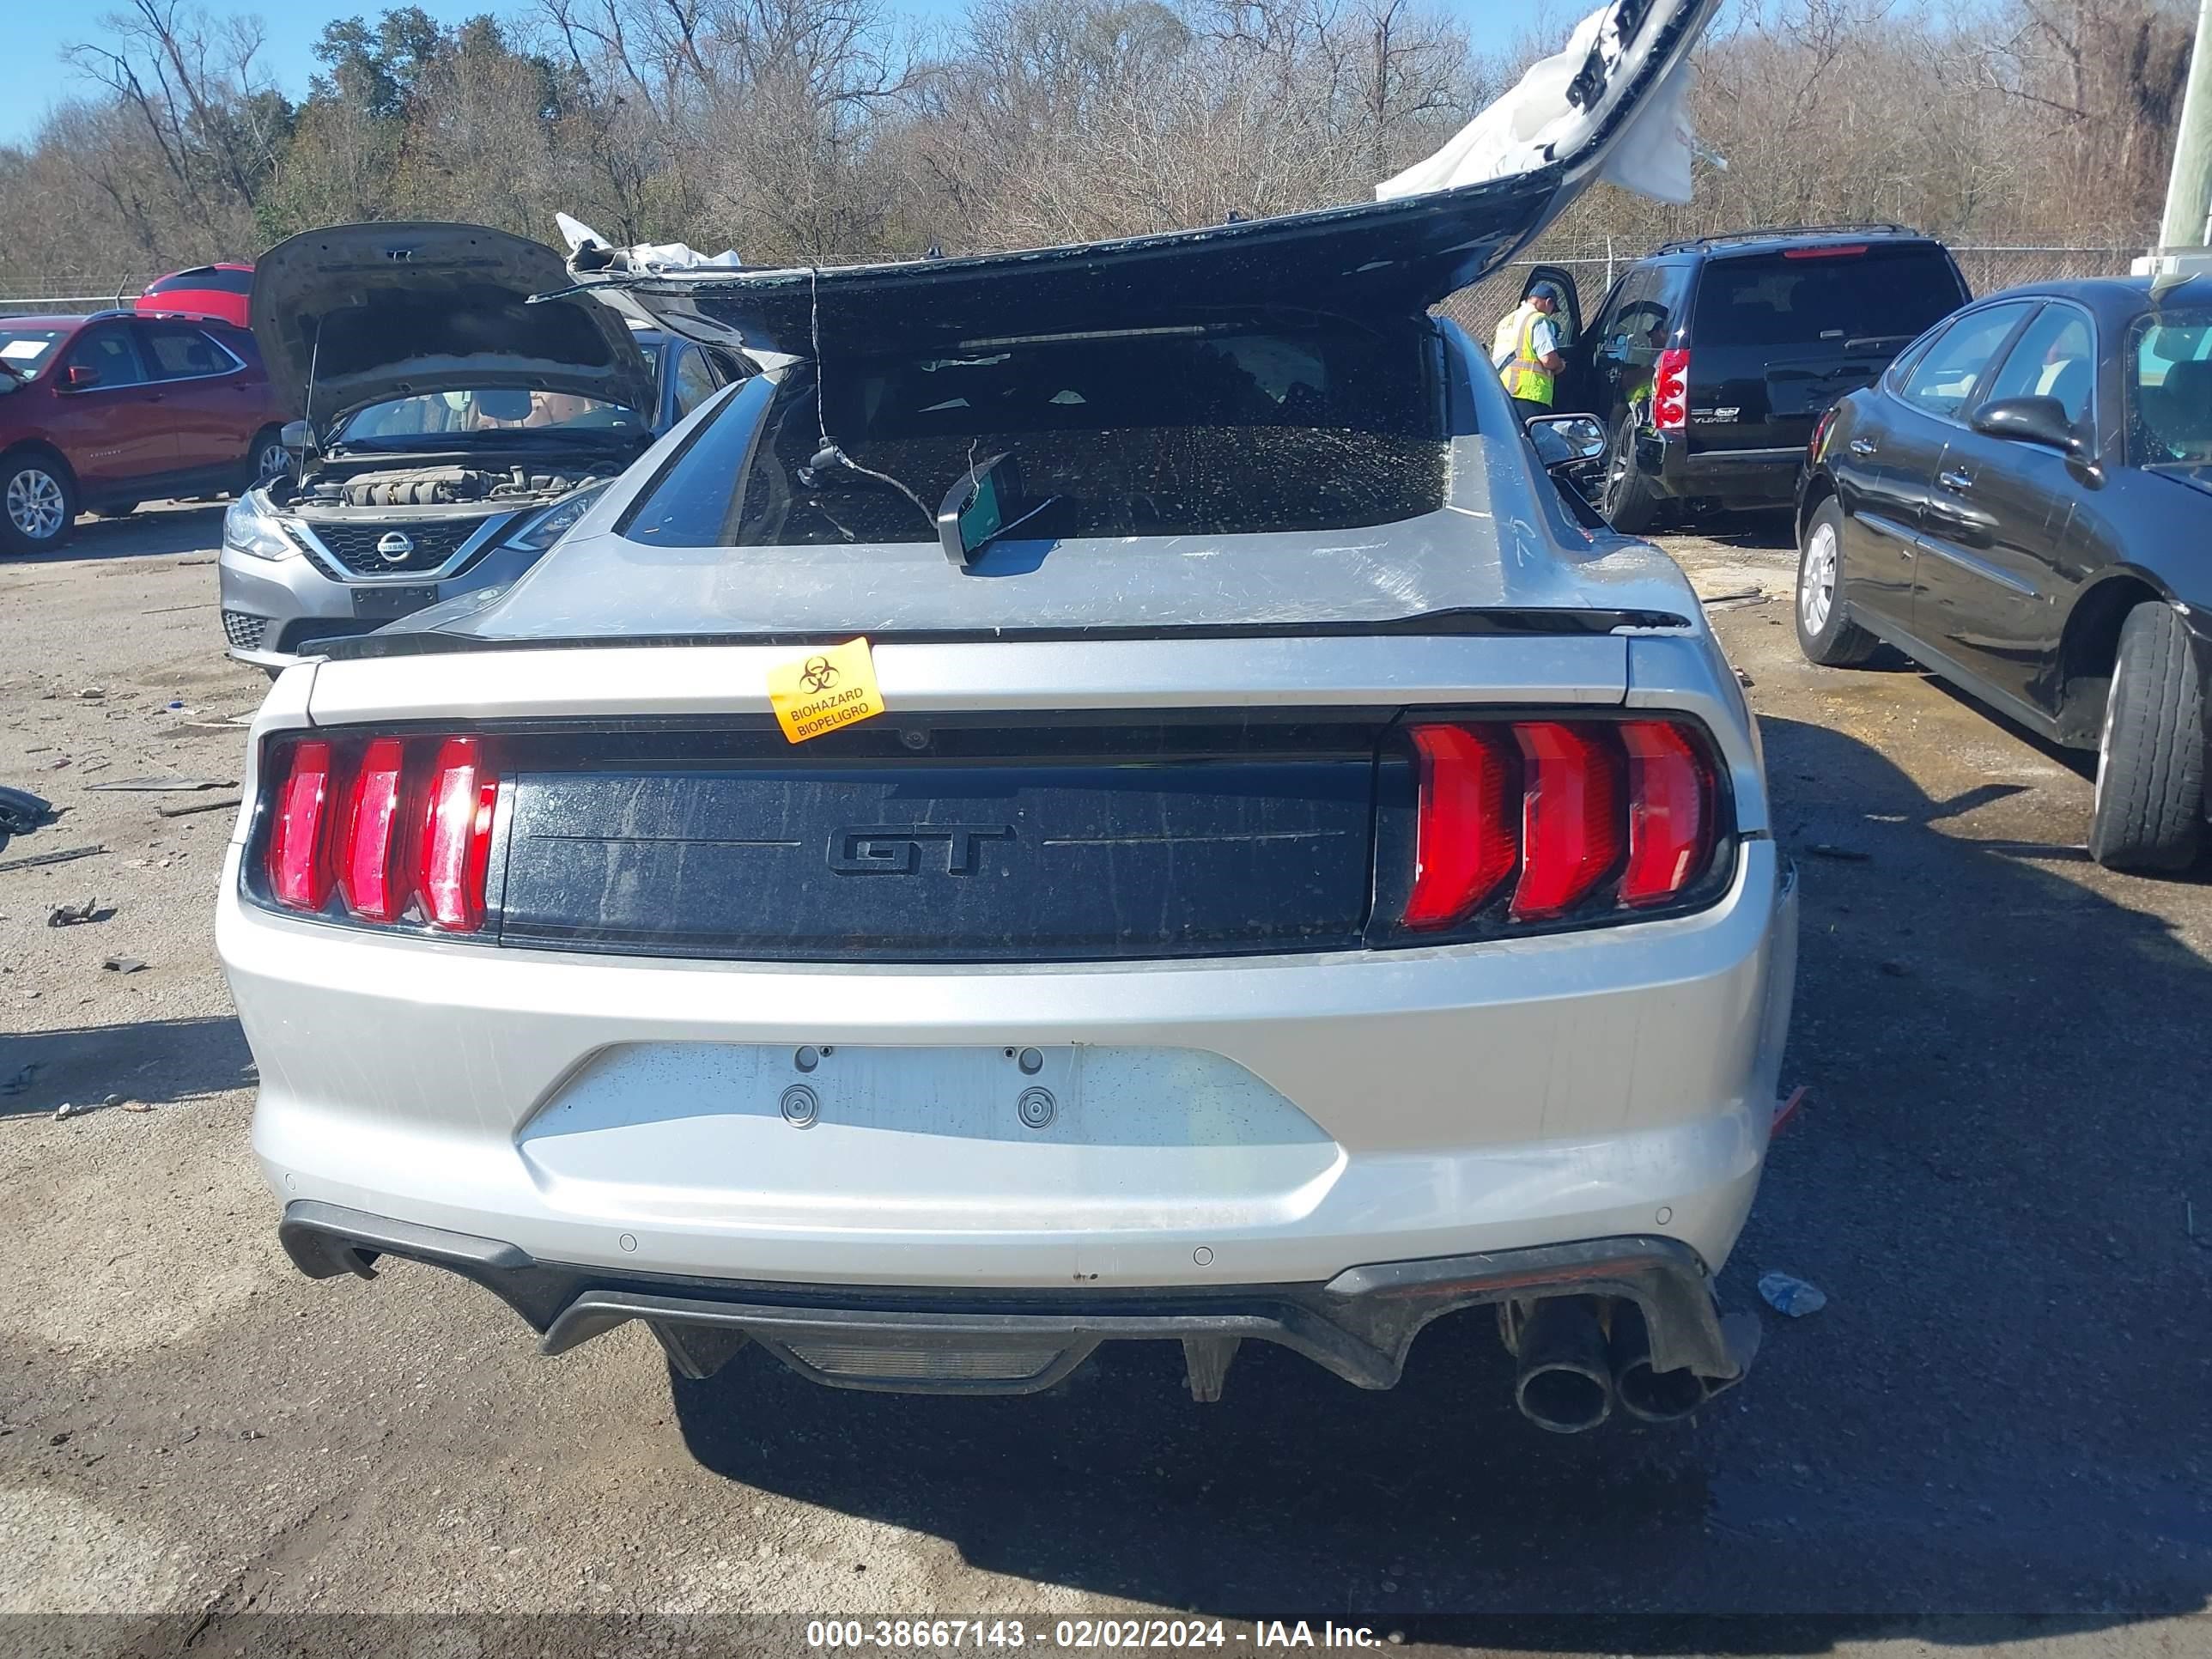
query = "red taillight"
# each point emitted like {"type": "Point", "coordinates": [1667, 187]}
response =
{"type": "Point", "coordinates": [1580, 818]}
{"type": "Point", "coordinates": [1820, 438]}
{"type": "Point", "coordinates": [1569, 829]}
{"type": "Point", "coordinates": [401, 828]}
{"type": "Point", "coordinates": [455, 843]}
{"type": "Point", "coordinates": [1669, 812]}
{"type": "Point", "coordinates": [298, 832]}
{"type": "Point", "coordinates": [1464, 843]}
{"type": "Point", "coordinates": [1670, 390]}
{"type": "Point", "coordinates": [369, 874]}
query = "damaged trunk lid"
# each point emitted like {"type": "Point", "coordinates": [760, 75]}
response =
{"type": "Point", "coordinates": [1388, 257]}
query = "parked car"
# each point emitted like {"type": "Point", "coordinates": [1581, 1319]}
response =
{"type": "Point", "coordinates": [1272, 903]}
{"type": "Point", "coordinates": [215, 291]}
{"type": "Point", "coordinates": [1709, 361]}
{"type": "Point", "coordinates": [2023, 505]}
{"type": "Point", "coordinates": [100, 413]}
{"type": "Point", "coordinates": [454, 430]}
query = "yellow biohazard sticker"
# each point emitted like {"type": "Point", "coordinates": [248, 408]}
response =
{"type": "Point", "coordinates": [825, 691]}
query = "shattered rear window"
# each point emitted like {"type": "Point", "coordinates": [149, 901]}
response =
{"type": "Point", "coordinates": [1147, 432]}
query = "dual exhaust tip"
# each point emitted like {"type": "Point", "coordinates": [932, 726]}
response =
{"type": "Point", "coordinates": [1579, 1356]}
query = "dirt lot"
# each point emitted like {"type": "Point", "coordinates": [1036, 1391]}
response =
{"type": "Point", "coordinates": [2002, 1411]}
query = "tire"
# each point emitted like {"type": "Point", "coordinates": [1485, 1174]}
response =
{"type": "Point", "coordinates": [1628, 500]}
{"type": "Point", "coordinates": [266, 457]}
{"type": "Point", "coordinates": [1825, 632]}
{"type": "Point", "coordinates": [38, 503]}
{"type": "Point", "coordinates": [2149, 812]}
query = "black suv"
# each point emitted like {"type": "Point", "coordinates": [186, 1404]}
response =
{"type": "Point", "coordinates": [1709, 360]}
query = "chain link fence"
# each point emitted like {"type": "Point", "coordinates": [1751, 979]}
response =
{"type": "Point", "coordinates": [1987, 266]}
{"type": "Point", "coordinates": [73, 298]}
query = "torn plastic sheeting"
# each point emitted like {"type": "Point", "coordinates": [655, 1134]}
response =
{"type": "Point", "coordinates": [647, 256]}
{"type": "Point", "coordinates": [1541, 118]}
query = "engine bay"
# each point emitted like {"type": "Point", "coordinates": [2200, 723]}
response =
{"type": "Point", "coordinates": [436, 486]}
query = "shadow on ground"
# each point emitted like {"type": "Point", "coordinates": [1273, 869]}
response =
{"type": "Point", "coordinates": [2004, 1407]}
{"type": "Point", "coordinates": [1769, 529]}
{"type": "Point", "coordinates": [185, 529]}
{"type": "Point", "coordinates": [156, 1061]}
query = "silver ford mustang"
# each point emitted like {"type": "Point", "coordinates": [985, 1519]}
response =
{"type": "Point", "coordinates": [1308, 877]}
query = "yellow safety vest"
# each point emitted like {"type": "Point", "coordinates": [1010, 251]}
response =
{"type": "Point", "coordinates": [1526, 375]}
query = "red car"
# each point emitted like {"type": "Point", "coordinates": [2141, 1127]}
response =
{"type": "Point", "coordinates": [216, 291]}
{"type": "Point", "coordinates": [103, 412]}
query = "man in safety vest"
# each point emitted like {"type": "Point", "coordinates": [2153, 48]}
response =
{"type": "Point", "coordinates": [1526, 350]}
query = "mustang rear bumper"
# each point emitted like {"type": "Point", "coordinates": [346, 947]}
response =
{"type": "Point", "coordinates": [1358, 1324]}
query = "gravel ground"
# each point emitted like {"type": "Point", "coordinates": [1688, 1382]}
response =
{"type": "Point", "coordinates": [1996, 1433]}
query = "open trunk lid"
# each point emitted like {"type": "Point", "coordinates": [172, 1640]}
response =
{"type": "Point", "coordinates": [1385, 257]}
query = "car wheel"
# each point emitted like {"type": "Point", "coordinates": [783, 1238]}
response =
{"type": "Point", "coordinates": [1825, 632]}
{"type": "Point", "coordinates": [1630, 504]}
{"type": "Point", "coordinates": [2149, 812]}
{"type": "Point", "coordinates": [37, 504]}
{"type": "Point", "coordinates": [267, 459]}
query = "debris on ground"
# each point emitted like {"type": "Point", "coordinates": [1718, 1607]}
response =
{"type": "Point", "coordinates": [73, 915]}
{"type": "Point", "coordinates": [1828, 849]}
{"type": "Point", "coordinates": [21, 811]}
{"type": "Point", "coordinates": [135, 1105]}
{"type": "Point", "coordinates": [1742, 678]}
{"type": "Point", "coordinates": [1788, 1295]}
{"type": "Point", "coordinates": [1786, 1110]}
{"type": "Point", "coordinates": [93, 693]}
{"type": "Point", "coordinates": [168, 782]}
{"type": "Point", "coordinates": [62, 857]}
{"type": "Point", "coordinates": [1745, 596]}
{"type": "Point", "coordinates": [65, 1110]}
{"type": "Point", "coordinates": [186, 808]}
{"type": "Point", "coordinates": [123, 965]}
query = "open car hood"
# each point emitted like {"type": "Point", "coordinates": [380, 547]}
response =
{"type": "Point", "coordinates": [375, 312]}
{"type": "Point", "coordinates": [1539, 149]}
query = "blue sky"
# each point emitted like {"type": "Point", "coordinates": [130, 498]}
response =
{"type": "Point", "coordinates": [33, 78]}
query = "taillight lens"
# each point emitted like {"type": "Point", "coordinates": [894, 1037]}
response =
{"type": "Point", "coordinates": [369, 878]}
{"type": "Point", "coordinates": [1569, 817]}
{"type": "Point", "coordinates": [299, 860]}
{"type": "Point", "coordinates": [1529, 821]}
{"type": "Point", "coordinates": [1670, 812]}
{"type": "Point", "coordinates": [1820, 438]}
{"type": "Point", "coordinates": [1670, 391]}
{"type": "Point", "coordinates": [1463, 839]}
{"type": "Point", "coordinates": [456, 840]}
{"type": "Point", "coordinates": [410, 827]}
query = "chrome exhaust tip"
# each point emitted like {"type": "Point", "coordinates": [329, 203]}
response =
{"type": "Point", "coordinates": [1565, 1382]}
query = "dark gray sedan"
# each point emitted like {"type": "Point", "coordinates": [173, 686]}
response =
{"type": "Point", "coordinates": [2023, 504]}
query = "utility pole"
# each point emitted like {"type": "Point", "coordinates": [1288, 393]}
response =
{"type": "Point", "coordinates": [2187, 227]}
